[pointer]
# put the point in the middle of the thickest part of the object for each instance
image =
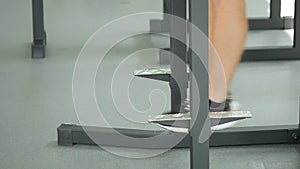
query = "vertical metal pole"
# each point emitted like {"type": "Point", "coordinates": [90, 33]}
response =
{"type": "Point", "coordinates": [275, 8]}
{"type": "Point", "coordinates": [297, 36]}
{"type": "Point", "coordinates": [39, 35]}
{"type": "Point", "coordinates": [275, 11]}
{"type": "Point", "coordinates": [297, 27]}
{"type": "Point", "coordinates": [199, 150]}
{"type": "Point", "coordinates": [179, 76]}
{"type": "Point", "coordinates": [167, 10]}
{"type": "Point", "coordinates": [162, 25]}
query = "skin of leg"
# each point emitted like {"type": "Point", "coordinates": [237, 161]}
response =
{"type": "Point", "coordinates": [228, 27]}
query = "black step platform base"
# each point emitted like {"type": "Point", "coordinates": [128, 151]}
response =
{"type": "Point", "coordinates": [71, 134]}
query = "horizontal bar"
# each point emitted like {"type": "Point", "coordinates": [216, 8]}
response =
{"type": "Point", "coordinates": [69, 134]}
{"type": "Point", "coordinates": [161, 26]}
{"type": "Point", "coordinates": [271, 54]}
{"type": "Point", "coordinates": [256, 136]}
{"type": "Point", "coordinates": [268, 24]}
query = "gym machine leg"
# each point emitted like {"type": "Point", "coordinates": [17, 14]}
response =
{"type": "Point", "coordinates": [162, 26]}
{"type": "Point", "coordinates": [280, 53]}
{"type": "Point", "coordinates": [39, 34]}
{"type": "Point", "coordinates": [274, 22]}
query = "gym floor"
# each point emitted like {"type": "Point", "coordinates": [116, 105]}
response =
{"type": "Point", "coordinates": [37, 94]}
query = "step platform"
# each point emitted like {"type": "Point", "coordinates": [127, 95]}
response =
{"type": "Point", "coordinates": [162, 74]}
{"type": "Point", "coordinates": [181, 121]}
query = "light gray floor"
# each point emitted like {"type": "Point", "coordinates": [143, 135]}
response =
{"type": "Point", "coordinates": [36, 95]}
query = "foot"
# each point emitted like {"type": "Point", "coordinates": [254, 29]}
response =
{"type": "Point", "coordinates": [229, 105]}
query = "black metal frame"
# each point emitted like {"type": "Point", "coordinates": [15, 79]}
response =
{"type": "Point", "coordinates": [240, 136]}
{"type": "Point", "coordinates": [39, 34]}
{"type": "Point", "coordinates": [179, 77]}
{"type": "Point", "coordinates": [275, 21]}
{"type": "Point", "coordinates": [198, 16]}
{"type": "Point", "coordinates": [199, 156]}
{"type": "Point", "coordinates": [279, 54]}
{"type": "Point", "coordinates": [72, 134]}
{"type": "Point", "coordinates": [161, 26]}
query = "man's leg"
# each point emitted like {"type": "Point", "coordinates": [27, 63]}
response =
{"type": "Point", "coordinates": [228, 31]}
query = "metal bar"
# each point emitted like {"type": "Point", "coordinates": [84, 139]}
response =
{"type": "Point", "coordinates": [167, 10]}
{"type": "Point", "coordinates": [256, 136]}
{"type": "Point", "coordinates": [69, 135]}
{"type": "Point", "coordinates": [274, 54]}
{"type": "Point", "coordinates": [160, 26]}
{"type": "Point", "coordinates": [274, 22]}
{"type": "Point", "coordinates": [271, 54]}
{"type": "Point", "coordinates": [178, 49]}
{"type": "Point", "coordinates": [297, 27]}
{"type": "Point", "coordinates": [269, 24]}
{"type": "Point", "coordinates": [38, 21]}
{"type": "Point", "coordinates": [275, 9]}
{"type": "Point", "coordinates": [199, 151]}
{"type": "Point", "coordinates": [279, 54]}
{"type": "Point", "coordinates": [39, 35]}
{"type": "Point", "coordinates": [297, 36]}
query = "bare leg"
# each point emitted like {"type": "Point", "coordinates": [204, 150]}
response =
{"type": "Point", "coordinates": [228, 31]}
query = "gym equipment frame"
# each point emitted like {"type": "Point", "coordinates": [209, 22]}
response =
{"type": "Point", "coordinates": [38, 46]}
{"type": "Point", "coordinates": [280, 53]}
{"type": "Point", "coordinates": [74, 134]}
{"type": "Point", "coordinates": [69, 134]}
{"type": "Point", "coordinates": [275, 21]}
{"type": "Point", "coordinates": [199, 158]}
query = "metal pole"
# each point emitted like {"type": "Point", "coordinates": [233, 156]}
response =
{"type": "Point", "coordinates": [297, 36]}
{"type": "Point", "coordinates": [275, 10]}
{"type": "Point", "coordinates": [39, 35]}
{"type": "Point", "coordinates": [179, 76]}
{"type": "Point", "coordinates": [199, 151]}
{"type": "Point", "coordinates": [297, 27]}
